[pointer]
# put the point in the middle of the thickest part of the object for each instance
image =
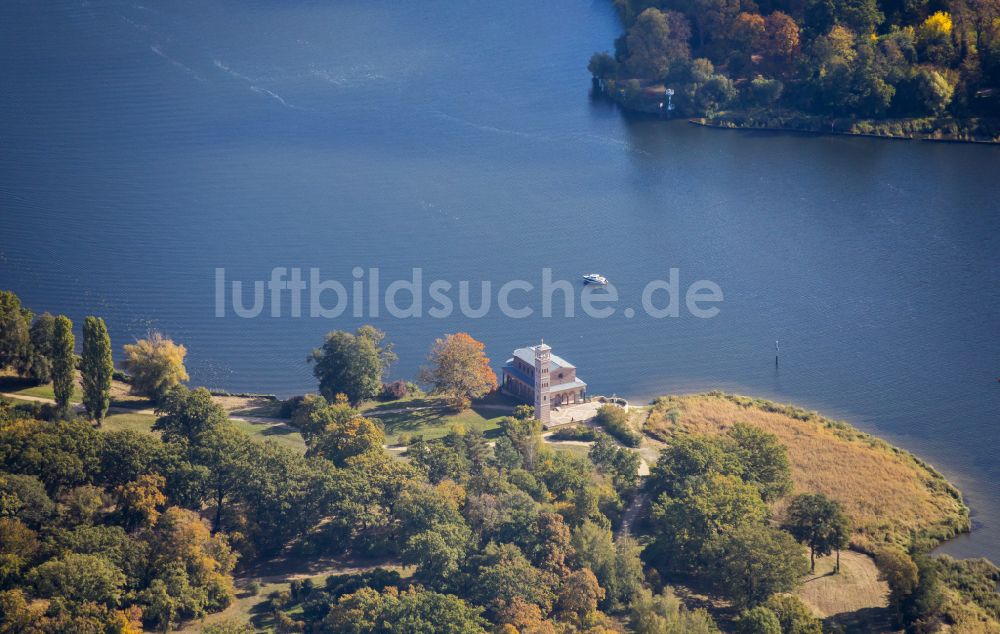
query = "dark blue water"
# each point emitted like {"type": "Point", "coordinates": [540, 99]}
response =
{"type": "Point", "coordinates": [144, 145]}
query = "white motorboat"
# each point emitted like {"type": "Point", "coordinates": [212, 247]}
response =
{"type": "Point", "coordinates": [595, 278]}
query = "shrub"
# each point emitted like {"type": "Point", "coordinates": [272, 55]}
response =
{"type": "Point", "coordinates": [289, 405]}
{"type": "Point", "coordinates": [575, 432]}
{"type": "Point", "coordinates": [794, 615]}
{"type": "Point", "coordinates": [614, 419]}
{"type": "Point", "coordinates": [394, 391]}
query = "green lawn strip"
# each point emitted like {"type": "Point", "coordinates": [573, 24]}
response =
{"type": "Point", "coordinates": [129, 420]}
{"type": "Point", "coordinates": [431, 418]}
{"type": "Point", "coordinates": [576, 450]}
{"type": "Point", "coordinates": [281, 434]}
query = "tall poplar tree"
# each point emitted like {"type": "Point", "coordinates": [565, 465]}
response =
{"type": "Point", "coordinates": [63, 364]}
{"type": "Point", "coordinates": [96, 369]}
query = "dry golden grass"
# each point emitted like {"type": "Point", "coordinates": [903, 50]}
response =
{"type": "Point", "coordinates": [856, 587]}
{"type": "Point", "coordinates": [889, 494]}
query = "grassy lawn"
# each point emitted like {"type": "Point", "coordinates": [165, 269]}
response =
{"type": "Point", "coordinates": [254, 608]}
{"type": "Point", "coordinates": [857, 596]}
{"type": "Point", "coordinates": [577, 450]}
{"type": "Point", "coordinates": [135, 422]}
{"type": "Point", "coordinates": [281, 434]}
{"type": "Point", "coordinates": [24, 387]}
{"type": "Point", "coordinates": [430, 417]}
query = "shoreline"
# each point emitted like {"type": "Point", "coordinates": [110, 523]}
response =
{"type": "Point", "coordinates": [732, 125]}
{"type": "Point", "coordinates": [902, 129]}
{"type": "Point", "coordinates": [955, 524]}
{"type": "Point", "coordinates": [841, 428]}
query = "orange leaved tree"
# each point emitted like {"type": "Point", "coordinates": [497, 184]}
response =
{"type": "Point", "coordinates": [458, 368]}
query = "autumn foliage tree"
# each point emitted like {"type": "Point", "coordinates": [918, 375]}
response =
{"type": "Point", "coordinates": [156, 365]}
{"type": "Point", "coordinates": [458, 368]}
{"type": "Point", "coordinates": [656, 41]}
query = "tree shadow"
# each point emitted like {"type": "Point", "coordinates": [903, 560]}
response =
{"type": "Point", "coordinates": [16, 383]}
{"type": "Point", "coordinates": [864, 621]}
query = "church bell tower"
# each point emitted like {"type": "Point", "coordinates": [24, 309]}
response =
{"type": "Point", "coordinates": [543, 355]}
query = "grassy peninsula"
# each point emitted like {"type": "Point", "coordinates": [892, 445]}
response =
{"type": "Point", "coordinates": [893, 497]}
{"type": "Point", "coordinates": [920, 70]}
{"type": "Point", "coordinates": [138, 503]}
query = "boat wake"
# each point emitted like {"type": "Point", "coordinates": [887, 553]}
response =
{"type": "Point", "coordinates": [251, 83]}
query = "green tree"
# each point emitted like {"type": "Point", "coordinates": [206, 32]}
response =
{"type": "Point", "coordinates": [352, 364]}
{"type": "Point", "coordinates": [344, 439]}
{"type": "Point", "coordinates": [42, 334]}
{"type": "Point", "coordinates": [764, 459]}
{"type": "Point", "coordinates": [794, 616]}
{"type": "Point", "coordinates": [766, 92]}
{"type": "Point", "coordinates": [156, 365]}
{"type": "Point", "coordinates": [505, 574]}
{"type": "Point", "coordinates": [579, 596]}
{"type": "Point", "coordinates": [665, 614]}
{"type": "Point", "coordinates": [615, 564]}
{"type": "Point", "coordinates": [818, 522]}
{"type": "Point", "coordinates": [706, 508]}
{"type": "Point", "coordinates": [622, 464]}
{"type": "Point", "coordinates": [687, 457]}
{"type": "Point", "coordinates": [752, 562]}
{"type": "Point", "coordinates": [429, 613]}
{"type": "Point", "coordinates": [524, 436]}
{"type": "Point", "coordinates": [63, 364]}
{"type": "Point", "coordinates": [18, 546]}
{"type": "Point", "coordinates": [15, 344]}
{"type": "Point", "coordinates": [187, 414]}
{"type": "Point", "coordinates": [79, 579]}
{"type": "Point", "coordinates": [96, 369]}
{"type": "Point", "coordinates": [935, 91]}
{"type": "Point", "coordinates": [226, 452]}
{"type": "Point", "coordinates": [438, 553]}
{"type": "Point", "coordinates": [900, 573]}
{"type": "Point", "coordinates": [655, 41]}
{"type": "Point", "coordinates": [758, 620]}
{"type": "Point", "coordinates": [602, 66]}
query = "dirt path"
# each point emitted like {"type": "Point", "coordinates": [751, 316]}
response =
{"type": "Point", "coordinates": [631, 515]}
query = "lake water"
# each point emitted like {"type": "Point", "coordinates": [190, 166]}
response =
{"type": "Point", "coordinates": [146, 144]}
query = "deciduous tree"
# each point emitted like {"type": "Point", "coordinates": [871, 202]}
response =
{"type": "Point", "coordinates": [15, 344]}
{"type": "Point", "coordinates": [458, 368]}
{"type": "Point", "coordinates": [63, 364]}
{"type": "Point", "coordinates": [352, 364]}
{"type": "Point", "coordinates": [752, 562]}
{"type": "Point", "coordinates": [42, 335]}
{"type": "Point", "coordinates": [79, 579]}
{"type": "Point", "coordinates": [657, 40]}
{"type": "Point", "coordinates": [156, 365]}
{"type": "Point", "coordinates": [96, 369]}
{"type": "Point", "coordinates": [818, 522]}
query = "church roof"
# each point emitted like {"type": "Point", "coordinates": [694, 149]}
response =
{"type": "Point", "coordinates": [513, 371]}
{"type": "Point", "coordinates": [528, 356]}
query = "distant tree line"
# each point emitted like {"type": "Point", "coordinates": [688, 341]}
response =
{"type": "Point", "coordinates": [843, 58]}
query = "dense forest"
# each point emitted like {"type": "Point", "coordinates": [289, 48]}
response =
{"type": "Point", "coordinates": [119, 530]}
{"type": "Point", "coordinates": [924, 65]}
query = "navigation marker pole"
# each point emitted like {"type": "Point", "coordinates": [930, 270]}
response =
{"type": "Point", "coordinates": [776, 353]}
